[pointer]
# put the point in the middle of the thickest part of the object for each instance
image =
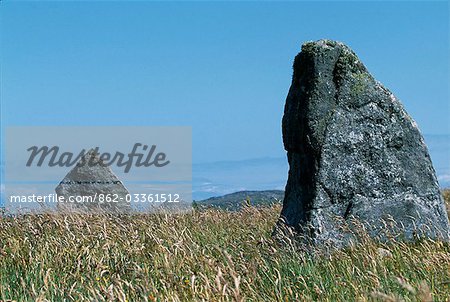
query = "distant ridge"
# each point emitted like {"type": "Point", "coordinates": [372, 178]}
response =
{"type": "Point", "coordinates": [235, 201]}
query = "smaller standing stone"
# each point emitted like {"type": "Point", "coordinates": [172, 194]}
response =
{"type": "Point", "coordinates": [93, 180]}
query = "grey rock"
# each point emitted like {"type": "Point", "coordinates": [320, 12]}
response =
{"type": "Point", "coordinates": [354, 153]}
{"type": "Point", "coordinates": [89, 178]}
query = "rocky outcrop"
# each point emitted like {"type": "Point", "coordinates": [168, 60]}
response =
{"type": "Point", "coordinates": [95, 186]}
{"type": "Point", "coordinates": [353, 152]}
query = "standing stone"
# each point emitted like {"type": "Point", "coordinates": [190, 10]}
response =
{"type": "Point", "coordinates": [353, 152]}
{"type": "Point", "coordinates": [91, 177]}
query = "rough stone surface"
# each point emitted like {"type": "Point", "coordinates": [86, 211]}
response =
{"type": "Point", "coordinates": [93, 180]}
{"type": "Point", "coordinates": [353, 152]}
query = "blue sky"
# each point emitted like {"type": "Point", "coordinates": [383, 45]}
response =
{"type": "Point", "coordinates": [222, 68]}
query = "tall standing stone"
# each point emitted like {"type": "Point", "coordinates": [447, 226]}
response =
{"type": "Point", "coordinates": [353, 152]}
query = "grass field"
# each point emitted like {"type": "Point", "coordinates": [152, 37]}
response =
{"type": "Point", "coordinates": [209, 255]}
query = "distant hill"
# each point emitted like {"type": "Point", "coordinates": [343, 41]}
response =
{"type": "Point", "coordinates": [235, 201]}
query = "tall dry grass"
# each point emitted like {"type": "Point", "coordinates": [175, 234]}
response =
{"type": "Point", "coordinates": [204, 256]}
